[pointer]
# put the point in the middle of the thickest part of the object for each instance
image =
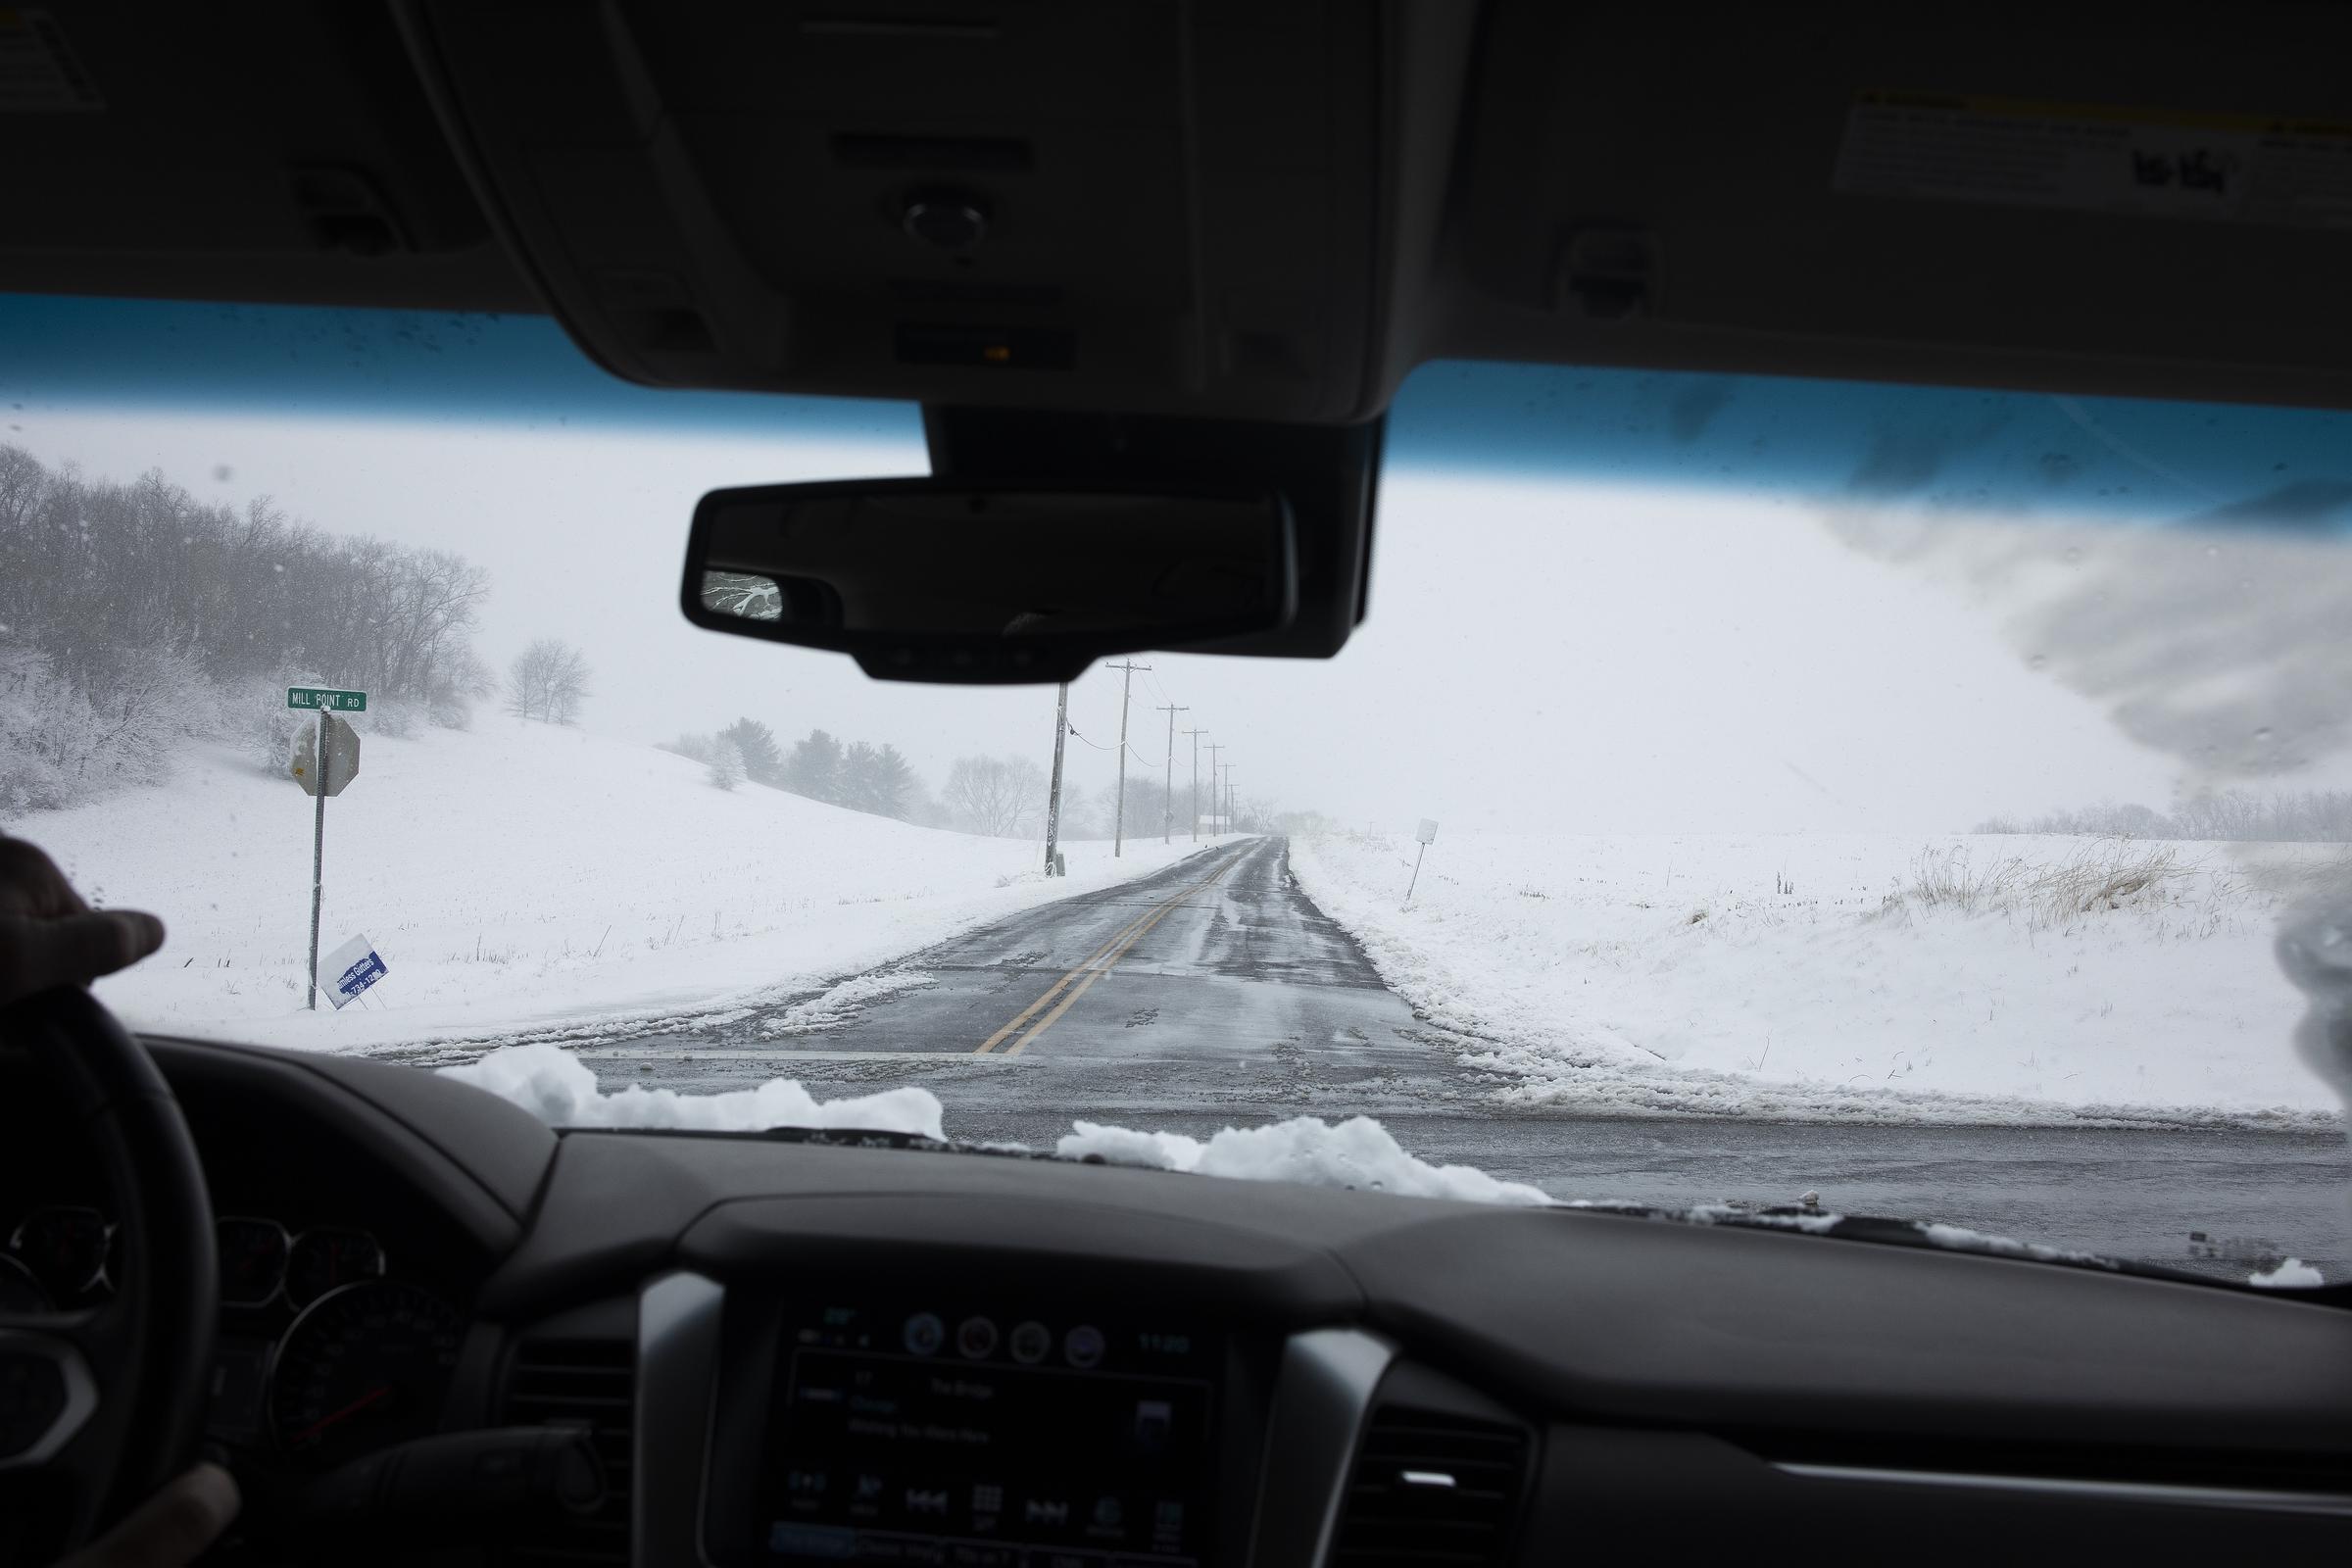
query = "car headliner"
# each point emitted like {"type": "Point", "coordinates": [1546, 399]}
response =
{"type": "Point", "coordinates": [1472, 171]}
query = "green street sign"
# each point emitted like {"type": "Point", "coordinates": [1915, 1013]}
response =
{"type": "Point", "coordinates": [327, 698]}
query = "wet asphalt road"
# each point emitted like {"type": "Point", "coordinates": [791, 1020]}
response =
{"type": "Point", "coordinates": [1214, 992]}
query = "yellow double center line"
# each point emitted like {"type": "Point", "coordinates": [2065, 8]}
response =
{"type": "Point", "coordinates": [1070, 987]}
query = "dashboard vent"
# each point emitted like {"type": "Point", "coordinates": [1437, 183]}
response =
{"type": "Point", "coordinates": [1432, 1489]}
{"type": "Point", "coordinates": [573, 1382]}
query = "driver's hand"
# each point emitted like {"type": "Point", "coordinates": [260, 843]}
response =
{"type": "Point", "coordinates": [168, 1529]}
{"type": "Point", "coordinates": [49, 937]}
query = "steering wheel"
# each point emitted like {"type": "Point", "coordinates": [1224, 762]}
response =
{"type": "Point", "coordinates": [101, 1405]}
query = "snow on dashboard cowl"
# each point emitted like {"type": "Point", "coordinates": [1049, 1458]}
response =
{"type": "Point", "coordinates": [561, 1090]}
{"type": "Point", "coordinates": [1360, 1153]}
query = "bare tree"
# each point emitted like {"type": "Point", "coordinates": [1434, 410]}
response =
{"type": "Point", "coordinates": [207, 611]}
{"type": "Point", "coordinates": [741, 593]}
{"type": "Point", "coordinates": [90, 570]}
{"type": "Point", "coordinates": [2285, 816]}
{"type": "Point", "coordinates": [548, 681]}
{"type": "Point", "coordinates": [998, 796]}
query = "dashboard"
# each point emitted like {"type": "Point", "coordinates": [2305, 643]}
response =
{"type": "Point", "coordinates": [323, 1352]}
{"type": "Point", "coordinates": [799, 1352]}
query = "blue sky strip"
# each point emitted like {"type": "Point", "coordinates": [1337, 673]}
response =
{"type": "Point", "coordinates": [1777, 437]}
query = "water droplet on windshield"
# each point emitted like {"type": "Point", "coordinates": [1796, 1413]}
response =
{"type": "Point", "coordinates": [2037, 662]}
{"type": "Point", "coordinates": [2262, 736]}
{"type": "Point", "coordinates": [2073, 554]}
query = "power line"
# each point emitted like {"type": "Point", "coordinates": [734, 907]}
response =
{"type": "Point", "coordinates": [1099, 747]}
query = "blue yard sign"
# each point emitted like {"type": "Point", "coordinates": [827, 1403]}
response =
{"type": "Point", "coordinates": [348, 970]}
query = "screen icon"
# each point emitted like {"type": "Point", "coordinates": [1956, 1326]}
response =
{"type": "Point", "coordinates": [988, 1500]}
{"type": "Point", "coordinates": [925, 1333]}
{"type": "Point", "coordinates": [1108, 1515]}
{"type": "Point", "coordinates": [1152, 1420]}
{"type": "Point", "coordinates": [976, 1336]}
{"type": "Point", "coordinates": [1084, 1347]}
{"type": "Point", "coordinates": [921, 1499]}
{"type": "Point", "coordinates": [1031, 1342]}
{"type": "Point", "coordinates": [1040, 1511]}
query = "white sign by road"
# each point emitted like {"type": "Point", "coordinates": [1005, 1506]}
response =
{"type": "Point", "coordinates": [348, 970]}
{"type": "Point", "coordinates": [342, 755]}
{"type": "Point", "coordinates": [1429, 830]}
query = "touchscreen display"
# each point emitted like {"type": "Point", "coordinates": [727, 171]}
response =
{"type": "Point", "coordinates": [925, 1436]}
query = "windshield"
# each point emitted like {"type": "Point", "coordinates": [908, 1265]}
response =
{"type": "Point", "coordinates": [1867, 800]}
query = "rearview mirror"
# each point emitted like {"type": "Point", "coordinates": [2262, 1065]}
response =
{"type": "Point", "coordinates": [946, 580]}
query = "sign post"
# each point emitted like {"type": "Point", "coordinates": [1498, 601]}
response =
{"type": "Point", "coordinates": [1427, 834]}
{"type": "Point", "coordinates": [333, 762]}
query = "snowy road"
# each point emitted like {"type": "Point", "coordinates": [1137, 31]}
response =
{"type": "Point", "coordinates": [1214, 992]}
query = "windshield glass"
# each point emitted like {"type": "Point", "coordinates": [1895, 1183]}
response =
{"type": "Point", "coordinates": [1875, 799]}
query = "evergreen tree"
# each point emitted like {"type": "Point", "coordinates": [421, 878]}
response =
{"type": "Point", "coordinates": [814, 768]}
{"type": "Point", "coordinates": [762, 759]}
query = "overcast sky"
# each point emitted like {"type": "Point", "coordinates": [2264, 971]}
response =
{"type": "Point", "coordinates": [1543, 653]}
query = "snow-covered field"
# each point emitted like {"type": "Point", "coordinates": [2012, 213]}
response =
{"type": "Point", "coordinates": [521, 879]}
{"type": "Point", "coordinates": [1981, 978]}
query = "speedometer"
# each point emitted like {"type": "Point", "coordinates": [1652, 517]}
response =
{"type": "Point", "coordinates": [364, 1368]}
{"type": "Point", "coordinates": [325, 1257]}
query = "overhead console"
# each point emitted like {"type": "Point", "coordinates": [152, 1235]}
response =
{"type": "Point", "coordinates": [1163, 209]}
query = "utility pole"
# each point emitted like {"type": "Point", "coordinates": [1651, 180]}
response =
{"type": "Point", "coordinates": [1195, 734]}
{"type": "Point", "coordinates": [1229, 808]}
{"type": "Point", "coordinates": [1213, 782]}
{"type": "Point", "coordinates": [1061, 727]}
{"type": "Point", "coordinates": [1118, 822]}
{"type": "Point", "coordinates": [1167, 776]}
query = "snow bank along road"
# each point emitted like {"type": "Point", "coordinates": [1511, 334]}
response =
{"type": "Point", "coordinates": [1214, 992]}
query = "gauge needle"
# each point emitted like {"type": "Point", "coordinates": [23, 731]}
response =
{"type": "Point", "coordinates": [351, 1410]}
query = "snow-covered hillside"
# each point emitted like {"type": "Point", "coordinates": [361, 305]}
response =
{"type": "Point", "coordinates": [1968, 979]}
{"type": "Point", "coordinates": [520, 878]}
